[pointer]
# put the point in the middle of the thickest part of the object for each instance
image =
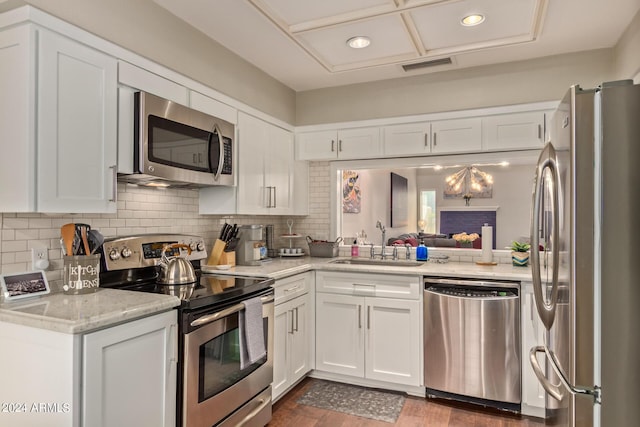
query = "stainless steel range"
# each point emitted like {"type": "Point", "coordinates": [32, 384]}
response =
{"type": "Point", "coordinates": [215, 387]}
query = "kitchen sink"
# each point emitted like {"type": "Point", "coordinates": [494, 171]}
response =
{"type": "Point", "coordinates": [398, 263]}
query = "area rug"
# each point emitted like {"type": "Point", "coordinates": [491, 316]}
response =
{"type": "Point", "coordinates": [354, 400]}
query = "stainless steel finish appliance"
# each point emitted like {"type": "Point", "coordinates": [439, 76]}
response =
{"type": "Point", "coordinates": [212, 386]}
{"type": "Point", "coordinates": [586, 206]}
{"type": "Point", "coordinates": [472, 341]}
{"type": "Point", "coordinates": [176, 145]}
{"type": "Point", "coordinates": [249, 235]}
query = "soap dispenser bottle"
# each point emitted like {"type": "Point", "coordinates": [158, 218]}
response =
{"type": "Point", "coordinates": [355, 248]}
{"type": "Point", "coordinates": [421, 252]}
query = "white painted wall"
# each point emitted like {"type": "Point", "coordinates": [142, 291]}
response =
{"type": "Point", "coordinates": [375, 187]}
{"type": "Point", "coordinates": [150, 31]}
{"type": "Point", "coordinates": [544, 79]}
{"type": "Point", "coordinates": [627, 51]}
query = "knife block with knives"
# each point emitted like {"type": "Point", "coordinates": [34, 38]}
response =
{"type": "Point", "coordinates": [223, 251]}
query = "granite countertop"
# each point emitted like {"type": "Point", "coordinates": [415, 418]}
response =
{"type": "Point", "coordinates": [279, 268]}
{"type": "Point", "coordinates": [74, 314]}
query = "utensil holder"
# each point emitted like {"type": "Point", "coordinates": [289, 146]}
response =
{"type": "Point", "coordinates": [81, 274]}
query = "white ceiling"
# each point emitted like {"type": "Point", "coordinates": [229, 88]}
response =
{"type": "Point", "coordinates": [302, 43]}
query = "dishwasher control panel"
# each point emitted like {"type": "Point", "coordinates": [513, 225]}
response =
{"type": "Point", "coordinates": [470, 292]}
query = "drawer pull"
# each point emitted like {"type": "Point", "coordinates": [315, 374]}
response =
{"type": "Point", "coordinates": [292, 289]}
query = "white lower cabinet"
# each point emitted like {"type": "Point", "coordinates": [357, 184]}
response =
{"type": "Point", "coordinates": [129, 374]}
{"type": "Point", "coordinates": [371, 337]}
{"type": "Point", "coordinates": [533, 394]}
{"type": "Point", "coordinates": [122, 375]}
{"type": "Point", "coordinates": [293, 332]}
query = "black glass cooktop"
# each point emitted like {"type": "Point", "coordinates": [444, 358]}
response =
{"type": "Point", "coordinates": [210, 290]}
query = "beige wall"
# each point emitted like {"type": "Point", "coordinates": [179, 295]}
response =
{"type": "Point", "coordinates": [149, 30]}
{"type": "Point", "coordinates": [544, 79]}
{"type": "Point", "coordinates": [627, 51]}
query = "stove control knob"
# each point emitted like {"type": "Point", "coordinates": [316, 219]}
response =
{"type": "Point", "coordinates": [200, 246]}
{"type": "Point", "coordinates": [114, 254]}
{"type": "Point", "coordinates": [193, 246]}
{"type": "Point", "coordinates": [126, 252]}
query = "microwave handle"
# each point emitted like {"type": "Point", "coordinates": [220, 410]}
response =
{"type": "Point", "coordinates": [216, 129]}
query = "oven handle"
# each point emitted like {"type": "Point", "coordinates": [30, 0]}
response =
{"type": "Point", "coordinates": [224, 313]}
{"type": "Point", "coordinates": [252, 414]}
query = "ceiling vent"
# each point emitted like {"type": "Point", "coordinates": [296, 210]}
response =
{"type": "Point", "coordinates": [426, 64]}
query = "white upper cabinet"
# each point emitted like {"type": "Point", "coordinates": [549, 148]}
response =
{"type": "Point", "coordinates": [412, 139]}
{"type": "Point", "coordinates": [59, 130]}
{"type": "Point", "coordinates": [357, 143]}
{"type": "Point", "coordinates": [141, 79]}
{"type": "Point", "coordinates": [456, 136]}
{"type": "Point", "coordinates": [210, 106]}
{"type": "Point", "coordinates": [518, 131]}
{"type": "Point", "coordinates": [490, 129]}
{"type": "Point", "coordinates": [266, 167]}
{"type": "Point", "coordinates": [77, 123]}
{"type": "Point", "coordinates": [17, 117]}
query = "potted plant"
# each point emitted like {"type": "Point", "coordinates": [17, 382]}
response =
{"type": "Point", "coordinates": [520, 253]}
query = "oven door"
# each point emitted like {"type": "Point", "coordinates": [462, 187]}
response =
{"type": "Point", "coordinates": [214, 384]}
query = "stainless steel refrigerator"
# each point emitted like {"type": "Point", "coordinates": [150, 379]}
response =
{"type": "Point", "coordinates": [586, 222]}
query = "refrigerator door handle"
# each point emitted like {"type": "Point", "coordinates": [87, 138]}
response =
{"type": "Point", "coordinates": [595, 392]}
{"type": "Point", "coordinates": [547, 160]}
{"type": "Point", "coordinates": [552, 390]}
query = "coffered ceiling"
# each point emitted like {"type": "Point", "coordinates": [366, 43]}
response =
{"type": "Point", "coordinates": [303, 43]}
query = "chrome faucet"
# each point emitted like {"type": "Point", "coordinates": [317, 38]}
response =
{"type": "Point", "coordinates": [384, 239]}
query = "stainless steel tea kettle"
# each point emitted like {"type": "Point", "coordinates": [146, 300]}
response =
{"type": "Point", "coordinates": [175, 270]}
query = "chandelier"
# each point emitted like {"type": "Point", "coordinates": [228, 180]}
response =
{"type": "Point", "coordinates": [469, 182]}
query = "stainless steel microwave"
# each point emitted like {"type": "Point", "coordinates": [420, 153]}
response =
{"type": "Point", "coordinates": [176, 145]}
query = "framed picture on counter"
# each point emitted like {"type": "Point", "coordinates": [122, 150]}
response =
{"type": "Point", "coordinates": [22, 285]}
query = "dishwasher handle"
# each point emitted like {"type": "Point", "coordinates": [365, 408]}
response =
{"type": "Point", "coordinates": [469, 282]}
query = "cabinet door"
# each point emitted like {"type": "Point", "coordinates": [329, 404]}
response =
{"type": "Point", "coordinates": [300, 339]}
{"type": "Point", "coordinates": [129, 373]}
{"type": "Point", "coordinates": [360, 143]}
{"type": "Point", "coordinates": [281, 330]}
{"type": "Point", "coordinates": [456, 136]}
{"type": "Point", "coordinates": [17, 112]}
{"type": "Point", "coordinates": [513, 131]}
{"type": "Point", "coordinates": [253, 137]}
{"type": "Point", "coordinates": [339, 334]}
{"type": "Point", "coordinates": [407, 139]}
{"type": "Point", "coordinates": [393, 341]}
{"type": "Point", "coordinates": [321, 145]}
{"type": "Point", "coordinates": [533, 394]}
{"type": "Point", "coordinates": [291, 344]}
{"type": "Point", "coordinates": [279, 170]}
{"type": "Point", "coordinates": [76, 132]}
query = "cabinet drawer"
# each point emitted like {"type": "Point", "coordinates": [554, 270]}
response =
{"type": "Point", "coordinates": [291, 287]}
{"type": "Point", "coordinates": [368, 284]}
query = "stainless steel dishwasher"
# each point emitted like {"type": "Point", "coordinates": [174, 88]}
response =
{"type": "Point", "coordinates": [472, 341]}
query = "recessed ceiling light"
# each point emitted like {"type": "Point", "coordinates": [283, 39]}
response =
{"type": "Point", "coordinates": [359, 42]}
{"type": "Point", "coordinates": [471, 20]}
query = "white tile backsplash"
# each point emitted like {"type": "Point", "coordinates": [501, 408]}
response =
{"type": "Point", "coordinates": [145, 210]}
